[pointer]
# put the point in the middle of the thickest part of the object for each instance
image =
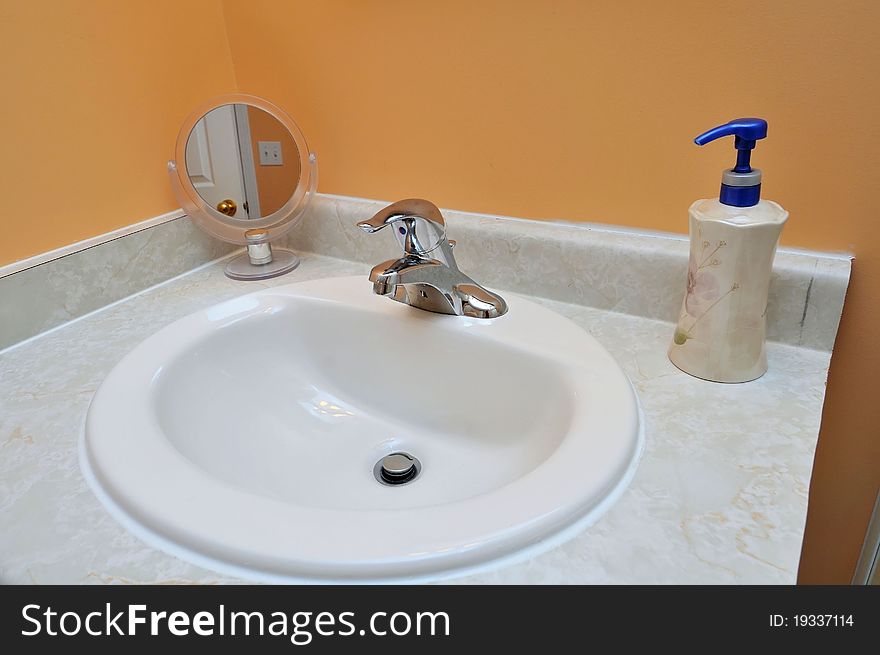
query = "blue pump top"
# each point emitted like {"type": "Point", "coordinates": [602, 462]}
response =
{"type": "Point", "coordinates": [740, 185]}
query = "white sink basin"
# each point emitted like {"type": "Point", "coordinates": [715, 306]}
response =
{"type": "Point", "coordinates": [244, 437]}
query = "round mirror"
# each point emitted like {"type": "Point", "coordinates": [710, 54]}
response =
{"type": "Point", "coordinates": [241, 160]}
{"type": "Point", "coordinates": [244, 174]}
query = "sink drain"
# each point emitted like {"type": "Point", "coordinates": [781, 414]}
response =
{"type": "Point", "coordinates": [397, 468]}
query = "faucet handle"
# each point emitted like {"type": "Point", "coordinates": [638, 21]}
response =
{"type": "Point", "coordinates": [420, 227]}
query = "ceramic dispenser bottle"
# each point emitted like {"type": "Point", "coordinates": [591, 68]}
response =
{"type": "Point", "coordinates": [721, 329]}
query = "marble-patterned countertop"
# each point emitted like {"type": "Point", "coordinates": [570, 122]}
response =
{"type": "Point", "coordinates": [720, 495]}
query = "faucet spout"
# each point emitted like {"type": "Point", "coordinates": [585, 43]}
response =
{"type": "Point", "coordinates": [478, 302]}
{"type": "Point", "coordinates": [382, 287]}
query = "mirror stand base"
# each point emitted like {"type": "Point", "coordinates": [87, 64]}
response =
{"type": "Point", "coordinates": [283, 261]}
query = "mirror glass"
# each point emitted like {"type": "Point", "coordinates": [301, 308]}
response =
{"type": "Point", "coordinates": [242, 161]}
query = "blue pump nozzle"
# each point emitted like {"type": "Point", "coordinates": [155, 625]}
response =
{"type": "Point", "coordinates": [741, 185]}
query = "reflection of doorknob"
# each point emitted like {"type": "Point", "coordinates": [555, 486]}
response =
{"type": "Point", "coordinates": [227, 207]}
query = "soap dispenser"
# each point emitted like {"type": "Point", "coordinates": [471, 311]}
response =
{"type": "Point", "coordinates": [721, 329]}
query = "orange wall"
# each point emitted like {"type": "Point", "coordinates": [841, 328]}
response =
{"type": "Point", "coordinates": [576, 110]}
{"type": "Point", "coordinates": [95, 93]}
{"type": "Point", "coordinates": [586, 111]}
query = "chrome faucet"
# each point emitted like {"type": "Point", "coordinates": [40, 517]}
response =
{"type": "Point", "coordinates": [427, 277]}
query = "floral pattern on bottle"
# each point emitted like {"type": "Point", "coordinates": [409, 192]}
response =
{"type": "Point", "coordinates": [703, 292]}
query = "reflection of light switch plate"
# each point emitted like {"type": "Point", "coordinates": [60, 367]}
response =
{"type": "Point", "coordinates": [270, 153]}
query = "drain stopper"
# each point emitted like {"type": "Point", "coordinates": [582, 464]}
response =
{"type": "Point", "coordinates": [397, 468]}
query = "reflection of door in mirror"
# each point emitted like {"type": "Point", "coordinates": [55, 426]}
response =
{"type": "Point", "coordinates": [242, 161]}
{"type": "Point", "coordinates": [219, 164]}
